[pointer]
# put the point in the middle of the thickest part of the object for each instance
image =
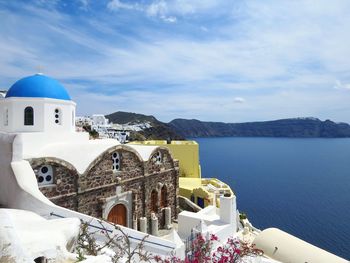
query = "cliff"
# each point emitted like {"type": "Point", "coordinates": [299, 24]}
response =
{"type": "Point", "coordinates": [148, 127]}
{"type": "Point", "coordinates": [296, 127]}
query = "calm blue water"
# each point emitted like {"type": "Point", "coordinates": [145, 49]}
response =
{"type": "Point", "coordinates": [301, 186]}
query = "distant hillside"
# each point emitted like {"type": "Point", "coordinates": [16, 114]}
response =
{"type": "Point", "coordinates": [122, 117]}
{"type": "Point", "coordinates": [297, 127]}
{"type": "Point", "coordinates": [149, 128]}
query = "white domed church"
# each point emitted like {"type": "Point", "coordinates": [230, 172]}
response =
{"type": "Point", "coordinates": [50, 169]}
{"type": "Point", "coordinates": [37, 104]}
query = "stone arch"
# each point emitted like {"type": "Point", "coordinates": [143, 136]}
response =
{"type": "Point", "coordinates": [161, 148]}
{"type": "Point", "coordinates": [110, 151]}
{"type": "Point", "coordinates": [167, 160]}
{"type": "Point", "coordinates": [35, 162]}
{"type": "Point", "coordinates": [124, 198]}
{"type": "Point", "coordinates": [163, 196]}
{"type": "Point", "coordinates": [154, 201]}
{"type": "Point", "coordinates": [64, 188]}
{"type": "Point", "coordinates": [118, 215]}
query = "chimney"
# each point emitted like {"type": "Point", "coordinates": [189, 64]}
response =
{"type": "Point", "coordinates": [228, 210]}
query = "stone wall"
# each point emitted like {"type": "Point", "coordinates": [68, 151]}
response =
{"type": "Point", "coordinates": [63, 191]}
{"type": "Point", "coordinates": [88, 193]}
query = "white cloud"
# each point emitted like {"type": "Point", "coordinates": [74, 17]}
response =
{"type": "Point", "coordinates": [185, 7]}
{"type": "Point", "coordinates": [169, 19]}
{"type": "Point", "coordinates": [341, 86]}
{"type": "Point", "coordinates": [281, 58]}
{"type": "Point", "coordinates": [159, 8]}
{"type": "Point", "coordinates": [114, 5]}
{"type": "Point", "coordinates": [238, 100]}
{"type": "Point", "coordinates": [169, 10]}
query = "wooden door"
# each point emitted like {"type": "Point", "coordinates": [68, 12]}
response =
{"type": "Point", "coordinates": [117, 215]}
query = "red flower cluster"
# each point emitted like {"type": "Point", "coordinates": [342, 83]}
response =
{"type": "Point", "coordinates": [229, 252]}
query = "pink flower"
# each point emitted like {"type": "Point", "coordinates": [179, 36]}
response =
{"type": "Point", "coordinates": [213, 237]}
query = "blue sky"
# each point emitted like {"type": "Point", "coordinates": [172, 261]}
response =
{"type": "Point", "coordinates": [215, 60]}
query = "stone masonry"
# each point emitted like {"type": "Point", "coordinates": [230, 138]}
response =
{"type": "Point", "coordinates": [87, 193]}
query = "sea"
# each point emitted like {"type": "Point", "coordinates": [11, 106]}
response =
{"type": "Point", "coordinates": [301, 186]}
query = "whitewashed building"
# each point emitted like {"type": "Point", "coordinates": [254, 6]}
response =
{"type": "Point", "coordinates": [50, 169]}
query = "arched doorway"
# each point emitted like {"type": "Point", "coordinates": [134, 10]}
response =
{"type": "Point", "coordinates": [117, 215]}
{"type": "Point", "coordinates": [163, 197]}
{"type": "Point", "coordinates": [154, 201]}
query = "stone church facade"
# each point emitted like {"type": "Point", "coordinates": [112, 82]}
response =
{"type": "Point", "coordinates": [118, 186]}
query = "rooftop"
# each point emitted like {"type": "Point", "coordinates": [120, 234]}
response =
{"type": "Point", "coordinates": [38, 86]}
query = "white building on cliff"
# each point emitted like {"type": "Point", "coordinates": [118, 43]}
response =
{"type": "Point", "coordinates": [50, 169]}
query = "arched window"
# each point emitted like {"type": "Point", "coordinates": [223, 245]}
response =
{"type": "Point", "coordinates": [154, 201]}
{"type": "Point", "coordinates": [28, 116]}
{"type": "Point", "coordinates": [57, 116]}
{"type": "Point", "coordinates": [163, 197]}
{"type": "Point", "coordinates": [44, 175]}
{"type": "Point", "coordinates": [116, 162]}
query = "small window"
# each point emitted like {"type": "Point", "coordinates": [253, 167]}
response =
{"type": "Point", "coordinates": [157, 158]}
{"type": "Point", "coordinates": [57, 116]}
{"type": "Point", "coordinates": [44, 175]}
{"type": "Point", "coordinates": [116, 161]}
{"type": "Point", "coordinates": [73, 121]}
{"type": "Point", "coordinates": [29, 116]}
{"type": "Point", "coordinates": [6, 117]}
{"type": "Point", "coordinates": [154, 200]}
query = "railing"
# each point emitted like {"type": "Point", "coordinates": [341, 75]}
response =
{"type": "Point", "coordinates": [111, 231]}
{"type": "Point", "coordinates": [189, 241]}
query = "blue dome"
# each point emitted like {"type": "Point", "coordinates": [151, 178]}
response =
{"type": "Point", "coordinates": [38, 86]}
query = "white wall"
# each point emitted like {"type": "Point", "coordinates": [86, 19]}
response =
{"type": "Point", "coordinates": [67, 118]}
{"type": "Point", "coordinates": [99, 119]}
{"type": "Point", "coordinates": [221, 222]}
{"type": "Point", "coordinates": [33, 142]}
{"type": "Point", "coordinates": [228, 210]}
{"type": "Point", "coordinates": [44, 115]}
{"type": "Point", "coordinates": [8, 186]}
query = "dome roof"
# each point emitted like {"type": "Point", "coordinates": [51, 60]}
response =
{"type": "Point", "coordinates": [38, 86]}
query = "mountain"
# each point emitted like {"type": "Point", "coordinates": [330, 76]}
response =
{"type": "Point", "coordinates": [148, 127]}
{"type": "Point", "coordinates": [296, 127]}
{"type": "Point", "coordinates": [144, 127]}
{"type": "Point", "coordinates": [122, 117]}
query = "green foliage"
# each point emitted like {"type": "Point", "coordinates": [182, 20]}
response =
{"type": "Point", "coordinates": [242, 216]}
{"type": "Point", "coordinates": [136, 136]}
{"type": "Point", "coordinates": [80, 255]}
{"type": "Point", "coordinates": [93, 134]}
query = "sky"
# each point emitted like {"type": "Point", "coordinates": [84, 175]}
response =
{"type": "Point", "coordinates": [213, 60]}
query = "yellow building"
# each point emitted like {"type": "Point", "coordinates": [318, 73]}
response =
{"type": "Point", "coordinates": [202, 191]}
{"type": "Point", "coordinates": [187, 152]}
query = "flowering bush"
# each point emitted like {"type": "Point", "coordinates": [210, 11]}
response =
{"type": "Point", "coordinates": [200, 249]}
{"type": "Point", "coordinates": [228, 252]}
{"type": "Point", "coordinates": [232, 251]}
